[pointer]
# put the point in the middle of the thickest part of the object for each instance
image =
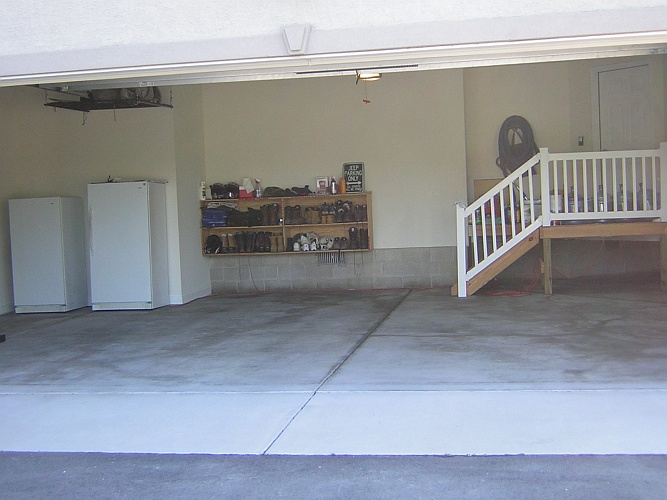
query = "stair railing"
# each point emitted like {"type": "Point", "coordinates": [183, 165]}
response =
{"type": "Point", "coordinates": [604, 185]}
{"type": "Point", "coordinates": [573, 187]}
{"type": "Point", "coordinates": [497, 222]}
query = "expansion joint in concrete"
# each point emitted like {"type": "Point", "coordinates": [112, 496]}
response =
{"type": "Point", "coordinates": [333, 371]}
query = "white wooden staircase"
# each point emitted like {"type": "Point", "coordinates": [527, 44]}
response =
{"type": "Point", "coordinates": [551, 190]}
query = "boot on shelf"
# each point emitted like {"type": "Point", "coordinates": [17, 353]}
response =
{"type": "Point", "coordinates": [241, 241]}
{"type": "Point", "coordinates": [266, 215]}
{"type": "Point", "coordinates": [251, 238]}
{"type": "Point", "coordinates": [274, 219]}
{"type": "Point", "coordinates": [357, 213]}
{"type": "Point", "coordinates": [363, 238]}
{"type": "Point", "coordinates": [267, 242]}
{"type": "Point", "coordinates": [354, 238]}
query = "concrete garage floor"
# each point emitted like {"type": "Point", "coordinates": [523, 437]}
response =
{"type": "Point", "coordinates": [392, 372]}
{"type": "Point", "coordinates": [568, 392]}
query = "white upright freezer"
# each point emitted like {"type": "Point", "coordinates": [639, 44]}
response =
{"type": "Point", "coordinates": [128, 245]}
{"type": "Point", "coordinates": [48, 254]}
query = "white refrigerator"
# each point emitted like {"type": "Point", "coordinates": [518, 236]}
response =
{"type": "Point", "coordinates": [128, 245]}
{"type": "Point", "coordinates": [48, 254]}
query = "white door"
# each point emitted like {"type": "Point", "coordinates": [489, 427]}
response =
{"type": "Point", "coordinates": [626, 116]}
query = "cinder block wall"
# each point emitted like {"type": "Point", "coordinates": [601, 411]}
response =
{"type": "Point", "coordinates": [380, 268]}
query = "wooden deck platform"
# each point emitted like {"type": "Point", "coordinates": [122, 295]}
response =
{"type": "Point", "coordinates": [602, 230]}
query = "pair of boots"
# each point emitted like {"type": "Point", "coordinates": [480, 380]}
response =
{"type": "Point", "coordinates": [341, 243]}
{"type": "Point", "coordinates": [262, 242]}
{"type": "Point", "coordinates": [270, 214]}
{"type": "Point", "coordinates": [327, 213]}
{"type": "Point", "coordinates": [245, 241]}
{"type": "Point", "coordinates": [360, 213]}
{"type": "Point", "coordinates": [228, 243]}
{"type": "Point", "coordinates": [358, 238]}
{"type": "Point", "coordinates": [313, 215]}
{"type": "Point", "coordinates": [293, 215]}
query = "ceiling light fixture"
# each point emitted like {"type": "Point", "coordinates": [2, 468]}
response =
{"type": "Point", "coordinates": [368, 76]}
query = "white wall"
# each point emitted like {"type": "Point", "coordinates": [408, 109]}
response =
{"type": "Point", "coordinates": [410, 138]}
{"type": "Point", "coordinates": [538, 92]}
{"type": "Point", "coordinates": [555, 98]}
{"type": "Point", "coordinates": [190, 170]}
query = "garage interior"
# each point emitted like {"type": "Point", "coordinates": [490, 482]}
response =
{"type": "Point", "coordinates": [282, 355]}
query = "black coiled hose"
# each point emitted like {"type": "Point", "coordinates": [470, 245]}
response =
{"type": "Point", "coordinates": [516, 144]}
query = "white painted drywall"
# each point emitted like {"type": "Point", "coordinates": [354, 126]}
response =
{"type": "Point", "coordinates": [555, 98]}
{"type": "Point", "coordinates": [410, 138]}
{"type": "Point", "coordinates": [538, 92]}
{"type": "Point", "coordinates": [194, 269]}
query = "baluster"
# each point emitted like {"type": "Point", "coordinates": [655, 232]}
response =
{"type": "Point", "coordinates": [494, 236]}
{"type": "Point", "coordinates": [503, 216]}
{"type": "Point", "coordinates": [484, 240]}
{"type": "Point", "coordinates": [474, 238]}
{"type": "Point", "coordinates": [633, 191]}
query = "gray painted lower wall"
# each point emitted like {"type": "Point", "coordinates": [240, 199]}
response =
{"type": "Point", "coordinates": [379, 268]}
{"type": "Point", "coordinates": [422, 267]}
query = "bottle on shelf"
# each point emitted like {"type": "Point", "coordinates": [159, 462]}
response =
{"type": "Point", "coordinates": [572, 203]}
{"type": "Point", "coordinates": [333, 187]}
{"type": "Point", "coordinates": [600, 201]}
{"type": "Point", "coordinates": [259, 192]}
{"type": "Point", "coordinates": [341, 185]}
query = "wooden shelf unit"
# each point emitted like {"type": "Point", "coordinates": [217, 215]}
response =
{"type": "Point", "coordinates": [285, 232]}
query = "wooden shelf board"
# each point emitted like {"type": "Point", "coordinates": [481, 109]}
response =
{"type": "Point", "coordinates": [604, 229]}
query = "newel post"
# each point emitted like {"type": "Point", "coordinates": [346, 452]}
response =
{"type": "Point", "coordinates": [461, 249]}
{"type": "Point", "coordinates": [544, 187]}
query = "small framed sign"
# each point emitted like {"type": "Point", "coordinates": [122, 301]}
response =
{"type": "Point", "coordinates": [354, 177]}
{"type": "Point", "coordinates": [322, 185]}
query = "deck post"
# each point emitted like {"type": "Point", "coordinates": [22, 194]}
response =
{"type": "Point", "coordinates": [662, 195]}
{"type": "Point", "coordinates": [547, 277]}
{"type": "Point", "coordinates": [663, 263]}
